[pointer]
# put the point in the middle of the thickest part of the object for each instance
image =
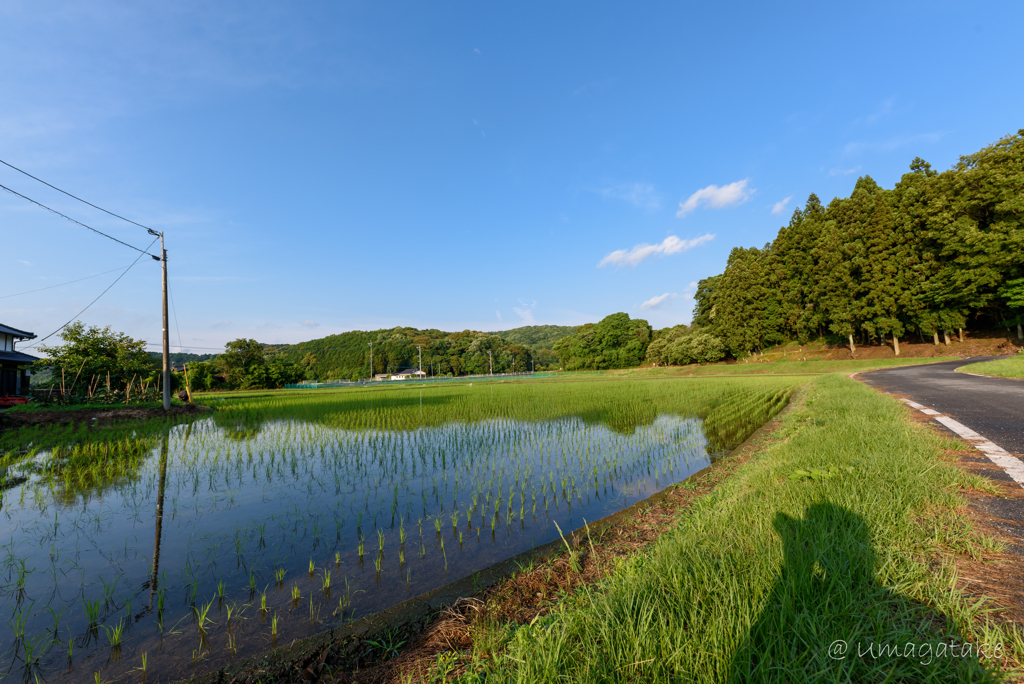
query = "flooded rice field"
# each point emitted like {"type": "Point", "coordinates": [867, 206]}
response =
{"type": "Point", "coordinates": [157, 553]}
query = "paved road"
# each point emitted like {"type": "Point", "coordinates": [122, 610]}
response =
{"type": "Point", "coordinates": [992, 407]}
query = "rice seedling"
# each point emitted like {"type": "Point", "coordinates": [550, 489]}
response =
{"type": "Point", "coordinates": [526, 449]}
{"type": "Point", "coordinates": [114, 634]}
{"type": "Point", "coordinates": [92, 610]}
{"type": "Point", "coordinates": [202, 617]}
{"type": "Point", "coordinates": [295, 593]}
{"type": "Point", "coordinates": [143, 667]}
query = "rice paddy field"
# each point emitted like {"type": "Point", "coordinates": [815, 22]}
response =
{"type": "Point", "coordinates": [158, 550]}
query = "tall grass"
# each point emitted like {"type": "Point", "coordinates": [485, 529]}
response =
{"type": "Point", "coordinates": [765, 574]}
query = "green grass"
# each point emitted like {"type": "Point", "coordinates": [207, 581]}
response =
{"type": "Point", "coordinates": [1010, 367]}
{"type": "Point", "coordinates": [786, 367]}
{"type": "Point", "coordinates": [773, 567]}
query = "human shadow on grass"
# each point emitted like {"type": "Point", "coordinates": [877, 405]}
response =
{"type": "Point", "coordinates": [828, 618]}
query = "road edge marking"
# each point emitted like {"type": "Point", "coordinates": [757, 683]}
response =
{"type": "Point", "coordinates": [1010, 464]}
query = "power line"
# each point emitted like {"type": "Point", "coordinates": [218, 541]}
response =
{"type": "Point", "coordinates": [93, 301]}
{"type": "Point", "coordinates": [78, 222]}
{"type": "Point", "coordinates": [72, 196]}
{"type": "Point", "coordinates": [50, 287]}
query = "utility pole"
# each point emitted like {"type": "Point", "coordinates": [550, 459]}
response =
{"type": "Point", "coordinates": [533, 363]}
{"type": "Point", "coordinates": [371, 360]}
{"type": "Point", "coordinates": [421, 357]}
{"type": "Point", "coordinates": [167, 332]}
{"type": "Point", "coordinates": [491, 361]}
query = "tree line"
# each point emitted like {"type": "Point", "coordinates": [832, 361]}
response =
{"type": "Point", "coordinates": [937, 252]}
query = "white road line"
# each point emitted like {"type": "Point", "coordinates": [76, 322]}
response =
{"type": "Point", "coordinates": [1010, 464]}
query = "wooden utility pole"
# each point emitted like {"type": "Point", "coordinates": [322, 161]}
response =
{"type": "Point", "coordinates": [167, 330]}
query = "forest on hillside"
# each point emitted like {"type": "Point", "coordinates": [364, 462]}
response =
{"type": "Point", "coordinates": [347, 355]}
{"type": "Point", "coordinates": [537, 337]}
{"type": "Point", "coordinates": [936, 253]}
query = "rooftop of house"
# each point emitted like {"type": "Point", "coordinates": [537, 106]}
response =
{"type": "Point", "coordinates": [17, 357]}
{"type": "Point", "coordinates": [8, 330]}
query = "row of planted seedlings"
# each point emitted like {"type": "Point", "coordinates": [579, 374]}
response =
{"type": "Point", "coordinates": [274, 529]}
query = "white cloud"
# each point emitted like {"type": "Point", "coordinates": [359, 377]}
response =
{"type": "Point", "coordinates": [655, 302]}
{"type": "Point", "coordinates": [221, 324]}
{"type": "Point", "coordinates": [670, 245]}
{"type": "Point", "coordinates": [477, 51]}
{"type": "Point", "coordinates": [27, 263]}
{"type": "Point", "coordinates": [844, 172]}
{"type": "Point", "coordinates": [641, 195]}
{"type": "Point", "coordinates": [525, 314]}
{"type": "Point", "coordinates": [309, 323]}
{"type": "Point", "coordinates": [780, 206]}
{"type": "Point", "coordinates": [497, 312]}
{"type": "Point", "coordinates": [525, 311]}
{"type": "Point", "coordinates": [714, 197]}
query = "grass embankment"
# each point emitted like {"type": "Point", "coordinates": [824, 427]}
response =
{"type": "Point", "coordinates": [781, 367]}
{"type": "Point", "coordinates": [1012, 367]}
{"type": "Point", "coordinates": [845, 528]}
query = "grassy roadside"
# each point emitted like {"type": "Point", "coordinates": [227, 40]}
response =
{"type": "Point", "coordinates": [845, 528]}
{"type": "Point", "coordinates": [1011, 367]}
{"type": "Point", "coordinates": [815, 367]}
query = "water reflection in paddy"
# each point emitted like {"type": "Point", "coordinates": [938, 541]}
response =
{"type": "Point", "coordinates": [212, 544]}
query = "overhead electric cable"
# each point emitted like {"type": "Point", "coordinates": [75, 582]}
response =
{"type": "Point", "coordinates": [93, 301]}
{"type": "Point", "coordinates": [50, 287]}
{"type": "Point", "coordinates": [78, 222]}
{"type": "Point", "coordinates": [72, 196]}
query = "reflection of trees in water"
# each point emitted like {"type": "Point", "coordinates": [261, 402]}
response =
{"type": "Point", "coordinates": [90, 462]}
{"type": "Point", "coordinates": [239, 428]}
{"type": "Point", "coordinates": [827, 592]}
{"type": "Point", "coordinates": [92, 468]}
{"type": "Point", "coordinates": [733, 409]}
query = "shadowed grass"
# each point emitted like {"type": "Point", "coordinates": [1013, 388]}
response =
{"type": "Point", "coordinates": [763, 575]}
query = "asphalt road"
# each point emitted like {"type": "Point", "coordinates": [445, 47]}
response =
{"type": "Point", "coordinates": [992, 407]}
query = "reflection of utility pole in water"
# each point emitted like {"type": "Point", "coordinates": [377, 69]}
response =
{"type": "Point", "coordinates": [159, 518]}
{"type": "Point", "coordinates": [160, 511]}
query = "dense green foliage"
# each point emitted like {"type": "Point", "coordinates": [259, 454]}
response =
{"type": "Point", "coordinates": [537, 337]}
{"type": "Point", "coordinates": [925, 257]}
{"type": "Point", "coordinates": [681, 346]}
{"type": "Point", "coordinates": [177, 358]}
{"type": "Point", "coordinates": [347, 356]}
{"type": "Point", "coordinates": [616, 342]}
{"type": "Point", "coordinates": [243, 365]}
{"type": "Point", "coordinates": [94, 359]}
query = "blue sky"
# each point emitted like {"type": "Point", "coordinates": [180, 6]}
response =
{"type": "Point", "coordinates": [326, 166]}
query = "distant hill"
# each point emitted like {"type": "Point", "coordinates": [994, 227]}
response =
{"type": "Point", "coordinates": [347, 355]}
{"type": "Point", "coordinates": [182, 357]}
{"type": "Point", "coordinates": [537, 337]}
